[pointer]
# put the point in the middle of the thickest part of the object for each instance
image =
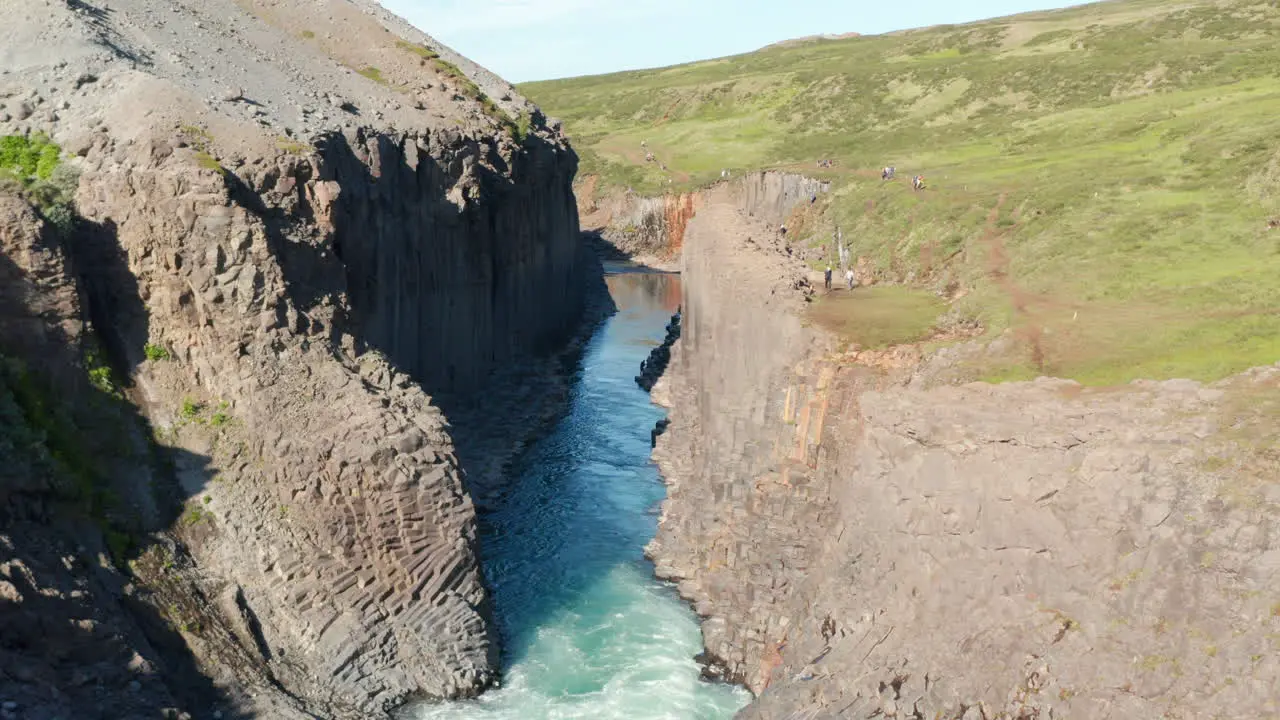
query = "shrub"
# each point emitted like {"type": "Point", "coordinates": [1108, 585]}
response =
{"type": "Point", "coordinates": [196, 515]}
{"type": "Point", "coordinates": [522, 127]}
{"type": "Point", "coordinates": [34, 164]}
{"type": "Point", "coordinates": [155, 353]}
{"type": "Point", "coordinates": [100, 375]}
{"type": "Point", "coordinates": [190, 408]}
{"type": "Point", "coordinates": [308, 35]}
{"type": "Point", "coordinates": [28, 158]}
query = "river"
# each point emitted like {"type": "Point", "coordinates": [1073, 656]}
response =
{"type": "Point", "coordinates": [587, 632]}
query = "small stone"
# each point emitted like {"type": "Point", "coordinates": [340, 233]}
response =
{"type": "Point", "coordinates": [134, 686]}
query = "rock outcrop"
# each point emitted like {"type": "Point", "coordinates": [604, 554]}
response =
{"type": "Point", "coordinates": [652, 368]}
{"type": "Point", "coordinates": [1031, 550]}
{"type": "Point", "coordinates": [290, 251]}
{"type": "Point", "coordinates": [651, 230]}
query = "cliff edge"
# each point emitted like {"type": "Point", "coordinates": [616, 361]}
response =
{"type": "Point", "coordinates": [862, 542]}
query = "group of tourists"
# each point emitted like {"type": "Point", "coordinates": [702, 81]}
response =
{"type": "Point", "coordinates": [889, 172]}
{"type": "Point", "coordinates": [848, 278]}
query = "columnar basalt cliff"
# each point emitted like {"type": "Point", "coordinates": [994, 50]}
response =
{"type": "Point", "coordinates": [1031, 550]}
{"type": "Point", "coordinates": [283, 277]}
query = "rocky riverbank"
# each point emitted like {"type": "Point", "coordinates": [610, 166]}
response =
{"type": "Point", "coordinates": [292, 259]}
{"type": "Point", "coordinates": [862, 543]}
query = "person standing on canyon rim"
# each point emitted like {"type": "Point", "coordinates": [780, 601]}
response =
{"type": "Point", "coordinates": [826, 278]}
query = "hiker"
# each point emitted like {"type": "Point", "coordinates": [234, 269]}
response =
{"type": "Point", "coordinates": [813, 198]}
{"type": "Point", "coordinates": [917, 183]}
{"type": "Point", "coordinates": [644, 143]}
{"type": "Point", "coordinates": [887, 173]}
{"type": "Point", "coordinates": [826, 278]}
{"type": "Point", "coordinates": [783, 230]}
{"type": "Point", "coordinates": [848, 277]}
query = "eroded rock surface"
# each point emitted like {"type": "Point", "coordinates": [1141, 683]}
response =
{"type": "Point", "coordinates": [1030, 550]}
{"type": "Point", "coordinates": [651, 230]}
{"type": "Point", "coordinates": [301, 223]}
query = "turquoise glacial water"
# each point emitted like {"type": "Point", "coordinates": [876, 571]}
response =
{"type": "Point", "coordinates": [587, 631]}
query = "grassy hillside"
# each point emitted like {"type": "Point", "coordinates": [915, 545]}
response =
{"type": "Point", "coordinates": [1100, 179]}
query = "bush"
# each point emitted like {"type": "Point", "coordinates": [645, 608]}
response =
{"type": "Point", "coordinates": [28, 158]}
{"type": "Point", "coordinates": [35, 165]}
{"type": "Point", "coordinates": [190, 408]}
{"type": "Point", "coordinates": [522, 127]}
{"type": "Point", "coordinates": [155, 353]}
{"type": "Point", "coordinates": [100, 375]}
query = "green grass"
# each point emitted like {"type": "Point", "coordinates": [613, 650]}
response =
{"type": "Point", "coordinates": [190, 409]}
{"type": "Point", "coordinates": [878, 317]}
{"type": "Point", "coordinates": [373, 74]}
{"type": "Point", "coordinates": [31, 166]}
{"type": "Point", "coordinates": [200, 139]}
{"type": "Point", "coordinates": [28, 159]}
{"type": "Point", "coordinates": [155, 353]}
{"type": "Point", "coordinates": [421, 51]}
{"type": "Point", "coordinates": [1100, 179]}
{"type": "Point", "coordinates": [292, 147]}
{"type": "Point", "coordinates": [518, 128]}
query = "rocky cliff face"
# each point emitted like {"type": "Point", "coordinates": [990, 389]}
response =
{"type": "Point", "coordinates": [285, 261]}
{"type": "Point", "coordinates": [1031, 550]}
{"type": "Point", "coordinates": [652, 229]}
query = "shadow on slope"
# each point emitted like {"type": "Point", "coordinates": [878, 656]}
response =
{"type": "Point", "coordinates": [82, 492]}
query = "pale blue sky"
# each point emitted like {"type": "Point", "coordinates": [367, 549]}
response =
{"type": "Point", "coordinates": [542, 39]}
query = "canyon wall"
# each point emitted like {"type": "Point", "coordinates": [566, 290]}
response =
{"type": "Point", "coordinates": [652, 229]}
{"type": "Point", "coordinates": [1031, 550]}
{"type": "Point", "coordinates": [287, 281]}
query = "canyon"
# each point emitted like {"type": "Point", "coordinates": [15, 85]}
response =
{"type": "Point", "coordinates": [328, 300]}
